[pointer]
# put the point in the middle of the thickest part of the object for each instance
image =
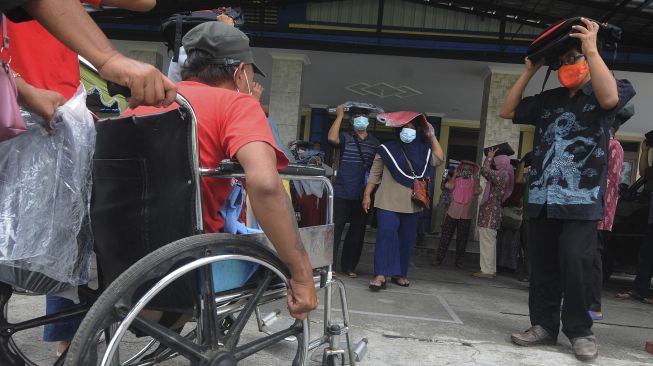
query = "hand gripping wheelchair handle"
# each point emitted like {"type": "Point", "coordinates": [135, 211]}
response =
{"type": "Point", "coordinates": [116, 89]}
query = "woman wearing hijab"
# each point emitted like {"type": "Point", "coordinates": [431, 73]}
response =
{"type": "Point", "coordinates": [500, 179]}
{"type": "Point", "coordinates": [396, 165]}
{"type": "Point", "coordinates": [465, 186]}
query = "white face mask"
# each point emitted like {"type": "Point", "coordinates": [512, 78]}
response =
{"type": "Point", "coordinates": [407, 135]}
{"type": "Point", "coordinates": [249, 90]}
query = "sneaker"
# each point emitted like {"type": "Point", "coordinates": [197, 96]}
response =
{"type": "Point", "coordinates": [480, 274]}
{"type": "Point", "coordinates": [596, 315]}
{"type": "Point", "coordinates": [585, 348]}
{"type": "Point", "coordinates": [533, 336]}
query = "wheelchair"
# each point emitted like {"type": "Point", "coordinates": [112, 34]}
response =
{"type": "Point", "coordinates": [162, 302]}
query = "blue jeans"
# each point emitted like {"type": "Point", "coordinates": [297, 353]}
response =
{"type": "Point", "coordinates": [63, 330]}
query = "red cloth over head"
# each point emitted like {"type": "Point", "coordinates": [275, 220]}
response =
{"type": "Point", "coordinates": [399, 119]}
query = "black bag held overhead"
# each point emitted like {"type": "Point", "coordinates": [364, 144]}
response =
{"type": "Point", "coordinates": [555, 39]}
{"type": "Point", "coordinates": [175, 27]}
{"type": "Point", "coordinates": [503, 149]}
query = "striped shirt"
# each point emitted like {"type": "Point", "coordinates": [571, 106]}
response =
{"type": "Point", "coordinates": [350, 181]}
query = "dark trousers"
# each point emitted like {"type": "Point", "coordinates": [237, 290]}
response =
{"type": "Point", "coordinates": [645, 265]}
{"type": "Point", "coordinates": [597, 286]}
{"type": "Point", "coordinates": [561, 255]}
{"type": "Point", "coordinates": [524, 265]}
{"type": "Point", "coordinates": [461, 227]}
{"type": "Point", "coordinates": [395, 240]}
{"type": "Point", "coordinates": [348, 211]}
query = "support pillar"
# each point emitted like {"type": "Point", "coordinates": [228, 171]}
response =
{"type": "Point", "coordinates": [286, 92]}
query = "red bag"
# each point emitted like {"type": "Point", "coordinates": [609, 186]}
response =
{"type": "Point", "coordinates": [11, 121]}
{"type": "Point", "coordinates": [421, 196]}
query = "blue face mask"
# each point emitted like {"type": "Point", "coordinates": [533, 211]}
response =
{"type": "Point", "coordinates": [407, 135]}
{"type": "Point", "coordinates": [361, 123]}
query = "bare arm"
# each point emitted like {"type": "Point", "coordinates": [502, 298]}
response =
{"type": "Point", "coordinates": [367, 196]}
{"type": "Point", "coordinates": [603, 82]}
{"type": "Point", "coordinates": [134, 5]}
{"type": "Point", "coordinates": [490, 174]}
{"type": "Point", "coordinates": [435, 144]}
{"type": "Point", "coordinates": [40, 101]}
{"type": "Point", "coordinates": [451, 183]}
{"type": "Point", "coordinates": [516, 93]}
{"type": "Point", "coordinates": [477, 186]}
{"type": "Point", "coordinates": [374, 179]}
{"type": "Point", "coordinates": [643, 159]}
{"type": "Point", "coordinates": [334, 131]}
{"type": "Point", "coordinates": [275, 214]}
{"type": "Point", "coordinates": [70, 24]}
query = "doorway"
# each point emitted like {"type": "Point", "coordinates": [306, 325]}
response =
{"type": "Point", "coordinates": [463, 144]}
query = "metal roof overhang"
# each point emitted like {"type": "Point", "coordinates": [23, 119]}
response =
{"type": "Point", "coordinates": [635, 17]}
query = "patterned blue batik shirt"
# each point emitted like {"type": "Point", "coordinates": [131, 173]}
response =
{"type": "Point", "coordinates": [570, 159]}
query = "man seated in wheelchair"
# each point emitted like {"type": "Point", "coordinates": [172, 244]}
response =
{"type": "Point", "coordinates": [217, 80]}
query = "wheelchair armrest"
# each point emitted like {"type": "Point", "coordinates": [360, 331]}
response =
{"type": "Point", "coordinates": [227, 167]}
{"type": "Point", "coordinates": [304, 170]}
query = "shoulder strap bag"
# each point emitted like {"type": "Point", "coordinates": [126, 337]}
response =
{"type": "Point", "coordinates": [11, 121]}
{"type": "Point", "coordinates": [420, 196]}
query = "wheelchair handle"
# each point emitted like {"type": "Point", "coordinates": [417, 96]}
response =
{"type": "Point", "coordinates": [115, 89]}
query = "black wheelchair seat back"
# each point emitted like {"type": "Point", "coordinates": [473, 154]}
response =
{"type": "Point", "coordinates": [144, 194]}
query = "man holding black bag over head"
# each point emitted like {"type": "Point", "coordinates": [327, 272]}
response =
{"type": "Point", "coordinates": [358, 148]}
{"type": "Point", "coordinates": [568, 179]}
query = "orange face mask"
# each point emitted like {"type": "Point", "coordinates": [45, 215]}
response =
{"type": "Point", "coordinates": [571, 76]}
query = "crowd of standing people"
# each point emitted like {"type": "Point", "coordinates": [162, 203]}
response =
{"type": "Point", "coordinates": [551, 209]}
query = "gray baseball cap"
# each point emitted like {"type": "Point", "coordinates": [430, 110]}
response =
{"type": "Point", "coordinates": [227, 44]}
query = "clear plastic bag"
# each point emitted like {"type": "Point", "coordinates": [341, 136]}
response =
{"type": "Point", "coordinates": [45, 189]}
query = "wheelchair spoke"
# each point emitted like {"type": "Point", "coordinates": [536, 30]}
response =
{"type": "Point", "coordinates": [208, 324]}
{"type": "Point", "coordinates": [170, 339]}
{"type": "Point", "coordinates": [246, 313]}
{"type": "Point", "coordinates": [249, 349]}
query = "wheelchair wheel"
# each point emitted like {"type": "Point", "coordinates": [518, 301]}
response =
{"type": "Point", "coordinates": [212, 333]}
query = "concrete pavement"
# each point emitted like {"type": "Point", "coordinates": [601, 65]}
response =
{"type": "Point", "coordinates": [446, 317]}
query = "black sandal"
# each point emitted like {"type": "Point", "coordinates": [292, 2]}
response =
{"type": "Point", "coordinates": [395, 280]}
{"type": "Point", "coordinates": [376, 288]}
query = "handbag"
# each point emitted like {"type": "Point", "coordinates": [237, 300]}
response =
{"type": "Point", "coordinates": [11, 121]}
{"type": "Point", "coordinates": [420, 195]}
{"type": "Point", "coordinates": [511, 217]}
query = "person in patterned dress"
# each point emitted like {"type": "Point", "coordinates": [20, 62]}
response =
{"type": "Point", "coordinates": [500, 180]}
{"type": "Point", "coordinates": [615, 162]}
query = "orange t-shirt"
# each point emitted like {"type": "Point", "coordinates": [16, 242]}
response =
{"type": "Point", "coordinates": [227, 121]}
{"type": "Point", "coordinates": [41, 59]}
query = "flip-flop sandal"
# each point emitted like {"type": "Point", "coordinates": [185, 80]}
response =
{"type": "Point", "coordinates": [351, 274]}
{"type": "Point", "coordinates": [395, 280]}
{"type": "Point", "coordinates": [374, 287]}
{"type": "Point", "coordinates": [633, 296]}
{"type": "Point", "coordinates": [624, 295]}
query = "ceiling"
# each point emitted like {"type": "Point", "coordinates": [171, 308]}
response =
{"type": "Point", "coordinates": [452, 88]}
{"type": "Point", "coordinates": [420, 80]}
{"type": "Point", "coordinates": [272, 24]}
